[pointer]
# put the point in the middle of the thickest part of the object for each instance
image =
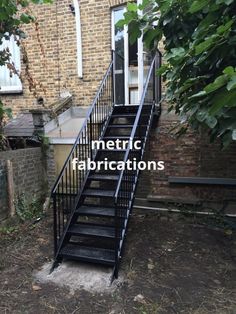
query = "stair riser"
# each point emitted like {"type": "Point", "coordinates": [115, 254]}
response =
{"type": "Point", "coordinates": [102, 243]}
{"type": "Point", "coordinates": [123, 132]}
{"type": "Point", "coordinates": [129, 120]}
{"type": "Point", "coordinates": [106, 185]}
{"type": "Point", "coordinates": [87, 260]}
{"type": "Point", "coordinates": [77, 234]}
{"type": "Point", "coordinates": [125, 109]}
{"type": "Point", "coordinates": [129, 109]}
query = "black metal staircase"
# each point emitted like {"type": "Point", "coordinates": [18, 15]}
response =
{"type": "Point", "coordinates": [92, 208]}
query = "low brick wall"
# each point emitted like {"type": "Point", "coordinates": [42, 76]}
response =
{"type": "Point", "coordinates": [191, 155]}
{"type": "Point", "coordinates": [29, 174]}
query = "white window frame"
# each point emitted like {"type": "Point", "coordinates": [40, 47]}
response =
{"type": "Point", "coordinates": [126, 55]}
{"type": "Point", "coordinates": [126, 49]}
{"type": "Point", "coordinates": [16, 87]}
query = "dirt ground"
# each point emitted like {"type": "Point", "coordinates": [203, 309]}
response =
{"type": "Point", "coordinates": [171, 264]}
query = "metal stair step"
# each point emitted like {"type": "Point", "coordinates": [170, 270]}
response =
{"type": "Point", "coordinates": [111, 150]}
{"type": "Point", "coordinates": [99, 193]}
{"type": "Point", "coordinates": [88, 254]}
{"type": "Point", "coordinates": [126, 109]}
{"type": "Point", "coordinates": [124, 115]}
{"type": "Point", "coordinates": [86, 229]}
{"type": "Point", "coordinates": [120, 137]}
{"type": "Point", "coordinates": [128, 115]}
{"type": "Point", "coordinates": [96, 211]}
{"type": "Point", "coordinates": [103, 177]}
{"type": "Point", "coordinates": [124, 126]}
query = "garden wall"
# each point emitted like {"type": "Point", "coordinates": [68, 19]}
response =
{"type": "Point", "coordinates": [191, 155]}
{"type": "Point", "coordinates": [29, 175]}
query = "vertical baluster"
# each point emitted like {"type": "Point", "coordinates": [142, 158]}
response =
{"type": "Point", "coordinates": [98, 116]}
{"type": "Point", "coordinates": [105, 101]}
{"type": "Point", "coordinates": [95, 114]}
{"type": "Point", "coordinates": [110, 79]}
{"type": "Point", "coordinates": [87, 142]}
{"type": "Point", "coordinates": [59, 189]}
{"type": "Point", "coordinates": [109, 94]}
{"type": "Point", "coordinates": [66, 189]}
{"type": "Point", "coordinates": [84, 150]}
{"type": "Point", "coordinates": [101, 103]}
{"type": "Point", "coordinates": [90, 136]}
{"type": "Point", "coordinates": [79, 156]}
{"type": "Point", "coordinates": [73, 177]}
{"type": "Point", "coordinates": [58, 196]}
{"type": "Point", "coordinates": [92, 129]}
{"type": "Point", "coordinates": [70, 183]}
{"type": "Point", "coordinates": [55, 215]}
{"type": "Point", "coordinates": [82, 155]}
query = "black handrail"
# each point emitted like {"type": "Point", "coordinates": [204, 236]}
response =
{"type": "Point", "coordinates": [83, 126]}
{"type": "Point", "coordinates": [127, 182]}
{"type": "Point", "coordinates": [70, 182]}
{"type": "Point", "coordinates": [136, 123]}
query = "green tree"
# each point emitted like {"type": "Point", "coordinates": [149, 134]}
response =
{"type": "Point", "coordinates": [200, 59]}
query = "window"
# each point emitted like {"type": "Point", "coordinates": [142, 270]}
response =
{"type": "Point", "coordinates": [10, 84]}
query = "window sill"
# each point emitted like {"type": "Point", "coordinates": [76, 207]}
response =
{"type": "Point", "coordinates": [10, 90]}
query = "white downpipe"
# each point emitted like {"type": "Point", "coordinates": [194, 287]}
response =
{"type": "Point", "coordinates": [140, 61]}
{"type": "Point", "coordinates": [78, 39]}
{"type": "Point", "coordinates": [126, 66]}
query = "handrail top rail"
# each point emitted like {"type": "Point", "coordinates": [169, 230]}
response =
{"type": "Point", "coordinates": [134, 129]}
{"type": "Point", "coordinates": [90, 111]}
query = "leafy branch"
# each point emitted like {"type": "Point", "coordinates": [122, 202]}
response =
{"type": "Point", "coordinates": [200, 59]}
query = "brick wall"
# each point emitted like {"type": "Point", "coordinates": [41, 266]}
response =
{"type": "Point", "coordinates": [188, 156]}
{"type": "Point", "coordinates": [29, 173]}
{"type": "Point", "coordinates": [57, 70]}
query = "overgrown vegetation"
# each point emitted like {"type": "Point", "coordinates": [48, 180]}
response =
{"type": "Point", "coordinates": [200, 59]}
{"type": "Point", "coordinates": [214, 217]}
{"type": "Point", "coordinates": [29, 211]}
{"type": "Point", "coordinates": [28, 208]}
{"type": "Point", "coordinates": [4, 113]}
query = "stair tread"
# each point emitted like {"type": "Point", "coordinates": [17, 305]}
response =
{"type": "Point", "coordinates": [126, 106]}
{"type": "Point", "coordinates": [112, 150]}
{"type": "Point", "coordinates": [124, 126]}
{"type": "Point", "coordinates": [100, 192]}
{"type": "Point", "coordinates": [97, 192]}
{"type": "Point", "coordinates": [124, 115]}
{"type": "Point", "coordinates": [104, 177]}
{"type": "Point", "coordinates": [92, 230]}
{"type": "Point", "coordinates": [120, 137]}
{"type": "Point", "coordinates": [96, 211]}
{"type": "Point", "coordinates": [91, 254]}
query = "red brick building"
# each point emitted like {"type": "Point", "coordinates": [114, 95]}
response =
{"type": "Point", "coordinates": [77, 38]}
